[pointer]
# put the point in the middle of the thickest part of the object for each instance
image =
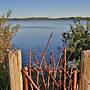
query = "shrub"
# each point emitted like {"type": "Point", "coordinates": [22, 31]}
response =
{"type": "Point", "coordinates": [77, 39]}
{"type": "Point", "coordinates": [7, 32]}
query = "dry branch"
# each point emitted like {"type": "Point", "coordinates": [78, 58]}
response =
{"type": "Point", "coordinates": [29, 78]}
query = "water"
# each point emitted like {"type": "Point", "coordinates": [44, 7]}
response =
{"type": "Point", "coordinates": [35, 33]}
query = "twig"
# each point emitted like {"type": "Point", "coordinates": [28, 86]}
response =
{"type": "Point", "coordinates": [59, 58]}
{"type": "Point", "coordinates": [29, 78]}
{"type": "Point", "coordinates": [54, 80]}
{"type": "Point", "coordinates": [25, 79]}
{"type": "Point", "coordinates": [44, 52]}
{"type": "Point", "coordinates": [65, 69]}
{"type": "Point", "coordinates": [71, 71]}
{"type": "Point", "coordinates": [30, 72]}
{"type": "Point", "coordinates": [43, 80]}
{"type": "Point", "coordinates": [48, 78]}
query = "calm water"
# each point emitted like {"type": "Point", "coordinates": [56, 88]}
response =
{"type": "Point", "coordinates": [35, 33]}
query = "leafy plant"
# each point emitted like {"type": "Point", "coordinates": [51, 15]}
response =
{"type": "Point", "coordinates": [4, 76]}
{"type": "Point", "coordinates": [7, 32]}
{"type": "Point", "coordinates": [77, 39]}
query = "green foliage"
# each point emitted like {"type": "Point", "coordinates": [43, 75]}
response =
{"type": "Point", "coordinates": [77, 39]}
{"type": "Point", "coordinates": [7, 32]}
{"type": "Point", "coordinates": [4, 76]}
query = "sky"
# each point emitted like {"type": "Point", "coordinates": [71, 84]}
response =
{"type": "Point", "coordinates": [46, 8]}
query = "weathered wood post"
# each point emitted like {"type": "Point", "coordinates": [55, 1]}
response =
{"type": "Point", "coordinates": [15, 67]}
{"type": "Point", "coordinates": [84, 82]}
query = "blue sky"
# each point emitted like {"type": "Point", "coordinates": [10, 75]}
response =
{"type": "Point", "coordinates": [49, 8]}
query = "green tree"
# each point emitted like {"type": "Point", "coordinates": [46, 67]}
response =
{"type": "Point", "coordinates": [7, 32]}
{"type": "Point", "coordinates": [77, 39]}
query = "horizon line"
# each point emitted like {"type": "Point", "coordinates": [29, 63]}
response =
{"type": "Point", "coordinates": [48, 17]}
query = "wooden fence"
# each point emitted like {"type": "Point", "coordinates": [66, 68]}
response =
{"type": "Point", "coordinates": [48, 76]}
{"type": "Point", "coordinates": [41, 75]}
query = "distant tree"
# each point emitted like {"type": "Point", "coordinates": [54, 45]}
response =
{"type": "Point", "coordinates": [77, 39]}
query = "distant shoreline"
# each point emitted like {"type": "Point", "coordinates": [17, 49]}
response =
{"type": "Point", "coordinates": [47, 18]}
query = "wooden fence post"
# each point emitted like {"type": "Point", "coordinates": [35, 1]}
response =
{"type": "Point", "coordinates": [84, 81]}
{"type": "Point", "coordinates": [15, 70]}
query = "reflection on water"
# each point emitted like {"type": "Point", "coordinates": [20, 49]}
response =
{"type": "Point", "coordinates": [35, 33]}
